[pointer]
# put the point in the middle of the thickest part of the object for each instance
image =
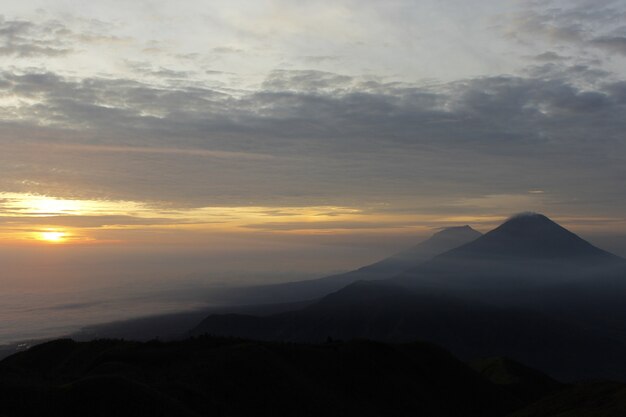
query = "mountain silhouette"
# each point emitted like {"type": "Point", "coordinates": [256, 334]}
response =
{"type": "Point", "coordinates": [469, 329]}
{"type": "Point", "coordinates": [235, 377]}
{"type": "Point", "coordinates": [532, 263]}
{"type": "Point", "coordinates": [528, 252]}
{"type": "Point", "coordinates": [530, 296]}
{"type": "Point", "coordinates": [231, 377]}
{"type": "Point", "coordinates": [440, 242]}
{"type": "Point", "coordinates": [593, 399]}
{"type": "Point", "coordinates": [530, 290]}
{"type": "Point", "coordinates": [532, 236]}
{"type": "Point", "coordinates": [520, 380]}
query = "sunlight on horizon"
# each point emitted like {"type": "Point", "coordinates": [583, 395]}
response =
{"type": "Point", "coordinates": [52, 236]}
{"type": "Point", "coordinates": [48, 219]}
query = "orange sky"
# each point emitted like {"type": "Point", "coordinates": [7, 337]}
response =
{"type": "Point", "coordinates": [36, 219]}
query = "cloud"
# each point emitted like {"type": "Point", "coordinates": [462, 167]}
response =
{"type": "Point", "coordinates": [549, 56]}
{"type": "Point", "coordinates": [147, 69]}
{"type": "Point", "coordinates": [157, 151]}
{"type": "Point", "coordinates": [586, 25]}
{"type": "Point", "coordinates": [305, 80]}
{"type": "Point", "coordinates": [226, 50]}
{"type": "Point", "coordinates": [306, 137]}
{"type": "Point", "coordinates": [330, 225]}
{"type": "Point", "coordinates": [25, 39]}
{"type": "Point", "coordinates": [89, 221]}
{"type": "Point", "coordinates": [318, 59]}
{"type": "Point", "coordinates": [615, 44]}
{"type": "Point", "coordinates": [304, 105]}
{"type": "Point", "coordinates": [142, 111]}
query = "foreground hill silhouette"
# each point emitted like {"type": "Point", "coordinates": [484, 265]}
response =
{"type": "Point", "coordinates": [229, 377]}
{"type": "Point", "coordinates": [210, 376]}
{"type": "Point", "coordinates": [520, 380]}
{"type": "Point", "coordinates": [440, 242]}
{"type": "Point", "coordinates": [529, 290]}
{"type": "Point", "coordinates": [546, 397]}
{"type": "Point", "coordinates": [599, 399]}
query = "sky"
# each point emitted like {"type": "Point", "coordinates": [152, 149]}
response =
{"type": "Point", "coordinates": [236, 140]}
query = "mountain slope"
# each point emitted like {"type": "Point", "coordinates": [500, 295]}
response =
{"type": "Point", "coordinates": [532, 236]}
{"type": "Point", "coordinates": [532, 263]}
{"type": "Point", "coordinates": [523, 382]}
{"type": "Point", "coordinates": [440, 242]}
{"type": "Point", "coordinates": [229, 377]}
{"type": "Point", "coordinates": [596, 399]}
{"type": "Point", "coordinates": [469, 329]}
{"type": "Point", "coordinates": [527, 252]}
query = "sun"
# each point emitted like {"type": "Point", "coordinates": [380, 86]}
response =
{"type": "Point", "coordinates": [52, 236]}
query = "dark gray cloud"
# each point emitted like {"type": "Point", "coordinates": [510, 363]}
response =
{"type": "Point", "coordinates": [320, 137]}
{"type": "Point", "coordinates": [616, 44]}
{"type": "Point", "coordinates": [307, 80]}
{"type": "Point", "coordinates": [549, 56]}
{"type": "Point", "coordinates": [584, 24]}
{"type": "Point", "coordinates": [26, 39]}
{"type": "Point", "coordinates": [147, 69]}
{"type": "Point", "coordinates": [334, 225]}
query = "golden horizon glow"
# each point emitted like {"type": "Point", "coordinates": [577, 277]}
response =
{"type": "Point", "coordinates": [19, 204]}
{"type": "Point", "coordinates": [52, 236]}
{"type": "Point", "coordinates": [30, 218]}
{"type": "Point", "coordinates": [53, 206]}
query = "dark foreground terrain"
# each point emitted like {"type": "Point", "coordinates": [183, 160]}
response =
{"type": "Point", "coordinates": [208, 376]}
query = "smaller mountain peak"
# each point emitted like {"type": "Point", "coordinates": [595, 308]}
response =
{"type": "Point", "coordinates": [456, 231]}
{"type": "Point", "coordinates": [464, 228]}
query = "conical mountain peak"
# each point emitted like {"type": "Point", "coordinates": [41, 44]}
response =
{"type": "Point", "coordinates": [446, 239]}
{"type": "Point", "coordinates": [530, 222]}
{"type": "Point", "coordinates": [531, 235]}
{"type": "Point", "coordinates": [457, 230]}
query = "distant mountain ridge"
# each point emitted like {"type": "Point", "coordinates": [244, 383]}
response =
{"type": "Point", "coordinates": [532, 236]}
{"type": "Point", "coordinates": [526, 252]}
{"type": "Point", "coordinates": [529, 289]}
{"type": "Point", "coordinates": [440, 242]}
{"type": "Point", "coordinates": [381, 311]}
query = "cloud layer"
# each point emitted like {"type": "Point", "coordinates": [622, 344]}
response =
{"type": "Point", "coordinates": [376, 108]}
